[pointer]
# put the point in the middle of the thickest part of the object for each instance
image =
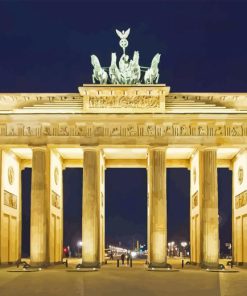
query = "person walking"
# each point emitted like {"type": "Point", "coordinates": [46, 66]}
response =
{"type": "Point", "coordinates": [128, 258]}
{"type": "Point", "coordinates": [122, 258]}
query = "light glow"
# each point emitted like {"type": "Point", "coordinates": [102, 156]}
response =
{"type": "Point", "coordinates": [79, 244]}
{"type": "Point", "coordinates": [184, 244]}
{"type": "Point", "coordinates": [133, 254]}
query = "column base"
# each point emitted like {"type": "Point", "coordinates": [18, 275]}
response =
{"type": "Point", "coordinates": [212, 266]}
{"type": "Point", "coordinates": [88, 265]}
{"type": "Point", "coordinates": [39, 264]}
{"type": "Point", "coordinates": [193, 263]}
{"type": "Point", "coordinates": [163, 265]}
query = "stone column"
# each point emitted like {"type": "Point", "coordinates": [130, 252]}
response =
{"type": "Point", "coordinates": [102, 209]}
{"type": "Point", "coordinates": [1, 222]}
{"type": "Point", "coordinates": [40, 207]}
{"type": "Point", "coordinates": [157, 208]}
{"type": "Point", "coordinates": [91, 208]}
{"type": "Point", "coordinates": [209, 209]}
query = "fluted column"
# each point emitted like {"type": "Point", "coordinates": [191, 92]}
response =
{"type": "Point", "coordinates": [91, 208]}
{"type": "Point", "coordinates": [40, 207]}
{"type": "Point", "coordinates": [209, 208]}
{"type": "Point", "coordinates": [157, 208]}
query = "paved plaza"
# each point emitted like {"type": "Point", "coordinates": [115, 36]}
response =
{"type": "Point", "coordinates": [110, 280]}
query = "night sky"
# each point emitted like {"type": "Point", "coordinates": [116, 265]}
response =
{"type": "Point", "coordinates": [46, 47]}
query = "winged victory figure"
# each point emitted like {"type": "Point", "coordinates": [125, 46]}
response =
{"type": "Point", "coordinates": [123, 34]}
{"type": "Point", "coordinates": [123, 38]}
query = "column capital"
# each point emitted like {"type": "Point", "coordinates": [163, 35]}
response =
{"type": "Point", "coordinates": [91, 148]}
{"type": "Point", "coordinates": [157, 148]}
{"type": "Point", "coordinates": [209, 149]}
{"type": "Point", "coordinates": [39, 148]}
{"type": "Point", "coordinates": [206, 148]}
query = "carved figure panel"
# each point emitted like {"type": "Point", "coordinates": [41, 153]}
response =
{"type": "Point", "coordinates": [46, 130]}
{"type": "Point", "coordinates": [142, 102]}
{"type": "Point", "coordinates": [10, 200]}
{"type": "Point", "coordinates": [241, 200]}
{"type": "Point", "coordinates": [55, 198]}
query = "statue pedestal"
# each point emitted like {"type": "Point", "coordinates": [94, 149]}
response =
{"type": "Point", "coordinates": [116, 98]}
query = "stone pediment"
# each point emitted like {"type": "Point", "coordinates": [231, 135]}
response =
{"type": "Point", "coordinates": [123, 99]}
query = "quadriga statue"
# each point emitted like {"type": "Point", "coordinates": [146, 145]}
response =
{"type": "Point", "coordinates": [114, 73]}
{"type": "Point", "coordinates": [126, 71]}
{"type": "Point", "coordinates": [99, 74]}
{"type": "Point", "coordinates": [152, 74]}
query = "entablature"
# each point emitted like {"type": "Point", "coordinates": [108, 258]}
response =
{"type": "Point", "coordinates": [122, 99]}
{"type": "Point", "coordinates": [123, 128]}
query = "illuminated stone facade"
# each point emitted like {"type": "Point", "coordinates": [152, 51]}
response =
{"type": "Point", "coordinates": [106, 126]}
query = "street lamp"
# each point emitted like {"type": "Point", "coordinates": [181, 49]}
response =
{"type": "Point", "coordinates": [79, 245]}
{"type": "Point", "coordinates": [171, 248]}
{"type": "Point", "coordinates": [184, 245]}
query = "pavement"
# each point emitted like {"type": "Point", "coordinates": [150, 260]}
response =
{"type": "Point", "coordinates": [110, 280]}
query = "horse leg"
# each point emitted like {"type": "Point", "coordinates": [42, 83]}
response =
{"type": "Point", "coordinates": [104, 80]}
{"type": "Point", "coordinates": [157, 78]}
{"type": "Point", "coordinates": [93, 79]}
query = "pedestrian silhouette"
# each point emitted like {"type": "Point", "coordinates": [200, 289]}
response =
{"type": "Point", "coordinates": [122, 258]}
{"type": "Point", "coordinates": [128, 258]}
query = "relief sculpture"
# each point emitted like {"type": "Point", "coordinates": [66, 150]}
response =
{"type": "Point", "coordinates": [241, 200]}
{"type": "Point", "coordinates": [10, 200]}
{"type": "Point", "coordinates": [55, 200]}
{"type": "Point", "coordinates": [84, 129]}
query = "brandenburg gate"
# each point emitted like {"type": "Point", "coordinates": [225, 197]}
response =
{"type": "Point", "coordinates": [128, 124]}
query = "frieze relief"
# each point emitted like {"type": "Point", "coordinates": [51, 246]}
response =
{"type": "Point", "coordinates": [124, 102]}
{"type": "Point", "coordinates": [151, 129]}
{"type": "Point", "coordinates": [10, 200]}
{"type": "Point", "coordinates": [241, 200]}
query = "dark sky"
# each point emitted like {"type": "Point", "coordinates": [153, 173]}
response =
{"type": "Point", "coordinates": [45, 46]}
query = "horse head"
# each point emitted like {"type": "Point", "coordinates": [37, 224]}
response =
{"type": "Point", "coordinates": [95, 61]}
{"type": "Point", "coordinates": [156, 60]}
{"type": "Point", "coordinates": [136, 57]}
{"type": "Point", "coordinates": [113, 58]}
